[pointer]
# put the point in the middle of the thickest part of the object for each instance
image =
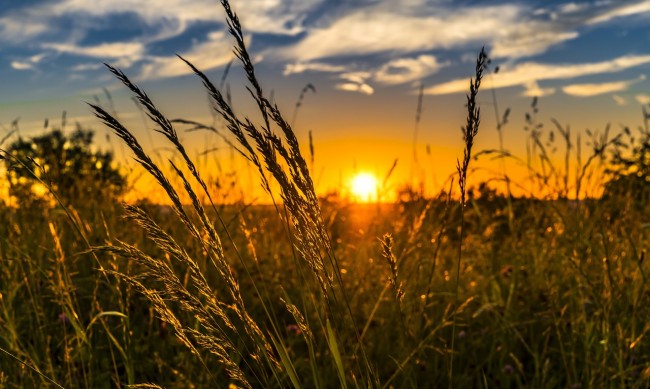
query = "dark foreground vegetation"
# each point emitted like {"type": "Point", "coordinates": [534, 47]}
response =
{"type": "Point", "coordinates": [472, 288]}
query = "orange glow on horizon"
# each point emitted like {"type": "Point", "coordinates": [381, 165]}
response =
{"type": "Point", "coordinates": [364, 187]}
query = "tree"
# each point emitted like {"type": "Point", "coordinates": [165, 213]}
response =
{"type": "Point", "coordinates": [66, 164]}
{"type": "Point", "coordinates": [629, 169]}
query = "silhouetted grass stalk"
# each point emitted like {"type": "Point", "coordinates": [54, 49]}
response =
{"type": "Point", "coordinates": [470, 130]}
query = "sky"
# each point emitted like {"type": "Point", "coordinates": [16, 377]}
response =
{"type": "Point", "coordinates": [586, 61]}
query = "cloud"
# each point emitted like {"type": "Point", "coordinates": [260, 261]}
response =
{"type": "Point", "coordinates": [263, 16]}
{"type": "Point", "coordinates": [529, 41]}
{"type": "Point", "coordinates": [403, 70]}
{"type": "Point", "coordinates": [103, 50]}
{"type": "Point", "coordinates": [301, 67]}
{"type": "Point", "coordinates": [570, 8]}
{"type": "Point", "coordinates": [533, 90]}
{"type": "Point", "coordinates": [16, 29]}
{"type": "Point", "coordinates": [396, 71]}
{"type": "Point", "coordinates": [214, 52]}
{"type": "Point", "coordinates": [642, 98]}
{"type": "Point", "coordinates": [620, 100]}
{"type": "Point", "coordinates": [18, 65]}
{"type": "Point", "coordinates": [82, 67]}
{"type": "Point", "coordinates": [527, 72]}
{"type": "Point", "coordinates": [356, 82]}
{"type": "Point", "coordinates": [510, 29]}
{"type": "Point", "coordinates": [587, 90]}
{"type": "Point", "coordinates": [621, 10]}
{"type": "Point", "coordinates": [27, 63]}
{"type": "Point", "coordinates": [354, 87]}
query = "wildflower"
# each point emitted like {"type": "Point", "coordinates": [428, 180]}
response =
{"type": "Point", "coordinates": [294, 329]}
{"type": "Point", "coordinates": [63, 318]}
{"type": "Point", "coordinates": [506, 271]}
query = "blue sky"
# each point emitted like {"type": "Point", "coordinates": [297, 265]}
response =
{"type": "Point", "coordinates": [373, 55]}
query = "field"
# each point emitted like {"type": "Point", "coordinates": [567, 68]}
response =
{"type": "Point", "coordinates": [473, 287]}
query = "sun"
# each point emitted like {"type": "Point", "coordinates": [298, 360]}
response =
{"type": "Point", "coordinates": [364, 187]}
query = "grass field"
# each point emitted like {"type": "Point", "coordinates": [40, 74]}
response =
{"type": "Point", "coordinates": [469, 288]}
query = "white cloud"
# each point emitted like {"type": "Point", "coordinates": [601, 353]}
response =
{"type": "Point", "coordinates": [356, 82]}
{"type": "Point", "coordinates": [37, 58]}
{"type": "Point", "coordinates": [533, 90]}
{"type": "Point", "coordinates": [354, 87]}
{"type": "Point", "coordinates": [356, 77]}
{"type": "Point", "coordinates": [530, 40]}
{"type": "Point", "coordinates": [27, 63]}
{"type": "Point", "coordinates": [301, 67]}
{"type": "Point", "coordinates": [86, 66]}
{"type": "Point", "coordinates": [403, 70]}
{"type": "Point", "coordinates": [214, 52]}
{"type": "Point", "coordinates": [267, 16]}
{"type": "Point", "coordinates": [621, 10]}
{"type": "Point", "coordinates": [595, 89]}
{"type": "Point", "coordinates": [103, 50]}
{"type": "Point", "coordinates": [509, 28]}
{"type": "Point", "coordinates": [586, 90]}
{"type": "Point", "coordinates": [18, 65]}
{"type": "Point", "coordinates": [642, 98]}
{"type": "Point", "coordinates": [620, 100]}
{"type": "Point", "coordinates": [570, 8]}
{"type": "Point", "coordinates": [527, 72]}
{"type": "Point", "coordinates": [16, 29]}
{"type": "Point", "coordinates": [396, 71]}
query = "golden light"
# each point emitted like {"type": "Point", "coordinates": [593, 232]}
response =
{"type": "Point", "coordinates": [364, 187]}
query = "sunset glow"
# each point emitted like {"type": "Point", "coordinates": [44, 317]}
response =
{"type": "Point", "coordinates": [364, 187]}
{"type": "Point", "coordinates": [369, 67]}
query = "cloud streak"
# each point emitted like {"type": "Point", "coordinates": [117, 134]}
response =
{"type": "Point", "coordinates": [595, 89]}
{"type": "Point", "coordinates": [525, 73]}
{"type": "Point", "coordinates": [380, 29]}
{"type": "Point", "coordinates": [214, 52]}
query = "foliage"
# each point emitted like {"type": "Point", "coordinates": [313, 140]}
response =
{"type": "Point", "coordinates": [630, 168]}
{"type": "Point", "coordinates": [66, 164]}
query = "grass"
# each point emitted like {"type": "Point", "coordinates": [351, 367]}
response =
{"type": "Point", "coordinates": [487, 291]}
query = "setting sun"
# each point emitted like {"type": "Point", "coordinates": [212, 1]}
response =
{"type": "Point", "coordinates": [364, 187]}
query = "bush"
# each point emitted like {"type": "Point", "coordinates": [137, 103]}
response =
{"type": "Point", "coordinates": [64, 164]}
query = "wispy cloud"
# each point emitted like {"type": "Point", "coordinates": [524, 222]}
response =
{"type": "Point", "coordinates": [533, 90]}
{"type": "Point", "coordinates": [354, 87]}
{"type": "Point", "coordinates": [396, 41]}
{"type": "Point", "coordinates": [42, 26]}
{"type": "Point", "coordinates": [619, 100]}
{"type": "Point", "coordinates": [642, 98]}
{"type": "Point", "coordinates": [16, 29]}
{"type": "Point", "coordinates": [395, 71]}
{"type": "Point", "coordinates": [622, 9]}
{"type": "Point", "coordinates": [214, 52]}
{"type": "Point", "coordinates": [388, 28]}
{"type": "Point", "coordinates": [301, 67]}
{"type": "Point", "coordinates": [18, 65]}
{"type": "Point", "coordinates": [524, 73]}
{"type": "Point", "coordinates": [356, 82]}
{"type": "Point", "coordinates": [28, 63]}
{"type": "Point", "coordinates": [595, 89]}
{"type": "Point", "coordinates": [104, 50]}
{"type": "Point", "coordinates": [264, 16]}
{"type": "Point", "coordinates": [404, 70]}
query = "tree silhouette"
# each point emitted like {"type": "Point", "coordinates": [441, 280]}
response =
{"type": "Point", "coordinates": [66, 164]}
{"type": "Point", "coordinates": [629, 168]}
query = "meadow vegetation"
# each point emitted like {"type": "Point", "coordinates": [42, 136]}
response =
{"type": "Point", "coordinates": [469, 288]}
